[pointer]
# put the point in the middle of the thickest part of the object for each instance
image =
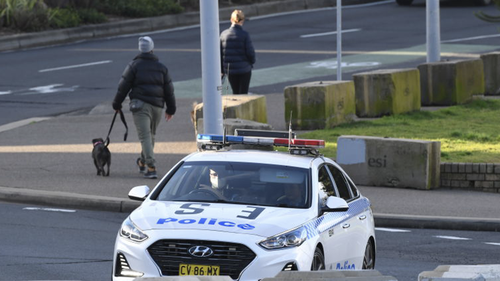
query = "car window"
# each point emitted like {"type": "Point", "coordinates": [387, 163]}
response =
{"type": "Point", "coordinates": [354, 189]}
{"type": "Point", "coordinates": [341, 183]}
{"type": "Point", "coordinates": [240, 183]}
{"type": "Point", "coordinates": [326, 185]}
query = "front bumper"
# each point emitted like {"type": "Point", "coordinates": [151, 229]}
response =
{"type": "Point", "coordinates": [242, 258]}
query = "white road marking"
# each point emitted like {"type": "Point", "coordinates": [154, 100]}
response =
{"type": "Point", "coordinates": [492, 243]}
{"type": "Point", "coordinates": [48, 209]}
{"type": "Point", "coordinates": [471, 38]}
{"type": "Point", "coordinates": [50, 89]}
{"type": "Point", "coordinates": [5, 93]}
{"type": "Point", "coordinates": [452, 237]}
{"type": "Point", "coordinates": [329, 33]}
{"type": "Point", "coordinates": [75, 66]}
{"type": "Point", "coordinates": [391, 229]}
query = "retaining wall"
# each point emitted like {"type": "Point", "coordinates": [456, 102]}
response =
{"type": "Point", "coordinates": [448, 83]}
{"type": "Point", "coordinates": [491, 63]}
{"type": "Point", "coordinates": [320, 105]}
{"type": "Point", "coordinates": [391, 162]}
{"type": "Point", "coordinates": [386, 92]}
{"type": "Point", "coordinates": [471, 176]}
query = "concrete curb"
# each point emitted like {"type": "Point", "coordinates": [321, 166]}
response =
{"type": "Point", "coordinates": [66, 200]}
{"type": "Point", "coordinates": [112, 204]}
{"type": "Point", "coordinates": [132, 26]}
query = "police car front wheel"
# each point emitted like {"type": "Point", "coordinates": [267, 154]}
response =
{"type": "Point", "coordinates": [369, 258]}
{"type": "Point", "coordinates": [318, 262]}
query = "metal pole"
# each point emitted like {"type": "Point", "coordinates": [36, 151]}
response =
{"type": "Point", "coordinates": [339, 40]}
{"type": "Point", "coordinates": [210, 67]}
{"type": "Point", "coordinates": [433, 31]}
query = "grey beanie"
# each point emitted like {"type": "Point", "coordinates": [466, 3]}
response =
{"type": "Point", "coordinates": [146, 44]}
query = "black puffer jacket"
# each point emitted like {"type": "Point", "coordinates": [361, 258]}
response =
{"type": "Point", "coordinates": [237, 50]}
{"type": "Point", "coordinates": [147, 79]}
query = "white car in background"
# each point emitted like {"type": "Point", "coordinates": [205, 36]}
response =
{"type": "Point", "coordinates": [228, 211]}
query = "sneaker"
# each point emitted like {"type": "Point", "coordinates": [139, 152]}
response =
{"type": "Point", "coordinates": [142, 167]}
{"type": "Point", "coordinates": [151, 174]}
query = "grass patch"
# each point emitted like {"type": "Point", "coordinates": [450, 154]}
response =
{"type": "Point", "coordinates": [468, 133]}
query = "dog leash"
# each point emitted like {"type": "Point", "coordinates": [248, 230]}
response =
{"type": "Point", "coordinates": [122, 116]}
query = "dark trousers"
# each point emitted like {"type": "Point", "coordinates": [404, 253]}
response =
{"type": "Point", "coordinates": [240, 82]}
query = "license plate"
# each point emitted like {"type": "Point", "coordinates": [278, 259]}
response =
{"type": "Point", "coordinates": [196, 269]}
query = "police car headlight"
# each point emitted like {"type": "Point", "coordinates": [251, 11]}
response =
{"type": "Point", "coordinates": [292, 238]}
{"type": "Point", "coordinates": [132, 232]}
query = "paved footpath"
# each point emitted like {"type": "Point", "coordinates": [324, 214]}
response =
{"type": "Point", "coordinates": [48, 161]}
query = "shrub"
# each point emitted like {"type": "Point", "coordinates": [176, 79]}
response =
{"type": "Point", "coordinates": [65, 18]}
{"type": "Point", "coordinates": [91, 16]}
{"type": "Point", "coordinates": [25, 15]}
{"type": "Point", "coordinates": [140, 8]}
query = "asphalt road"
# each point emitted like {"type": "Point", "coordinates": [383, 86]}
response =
{"type": "Point", "coordinates": [291, 48]}
{"type": "Point", "coordinates": [41, 243]}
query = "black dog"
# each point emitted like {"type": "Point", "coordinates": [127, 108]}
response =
{"type": "Point", "coordinates": [101, 155]}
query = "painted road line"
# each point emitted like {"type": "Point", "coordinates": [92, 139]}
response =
{"type": "Point", "coordinates": [185, 147]}
{"type": "Point", "coordinates": [471, 38]}
{"type": "Point", "coordinates": [48, 210]}
{"type": "Point", "coordinates": [21, 123]}
{"type": "Point", "coordinates": [329, 33]}
{"type": "Point", "coordinates": [451, 237]}
{"type": "Point", "coordinates": [391, 230]}
{"type": "Point", "coordinates": [75, 66]}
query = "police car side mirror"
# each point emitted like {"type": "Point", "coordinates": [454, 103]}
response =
{"type": "Point", "coordinates": [335, 204]}
{"type": "Point", "coordinates": [139, 193]}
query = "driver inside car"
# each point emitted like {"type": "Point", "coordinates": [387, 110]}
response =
{"type": "Point", "coordinates": [218, 183]}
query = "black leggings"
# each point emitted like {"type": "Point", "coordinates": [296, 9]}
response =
{"type": "Point", "coordinates": [240, 82]}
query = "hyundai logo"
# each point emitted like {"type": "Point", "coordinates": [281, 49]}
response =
{"type": "Point", "coordinates": [200, 251]}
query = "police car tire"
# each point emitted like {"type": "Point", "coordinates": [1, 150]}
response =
{"type": "Point", "coordinates": [369, 257]}
{"type": "Point", "coordinates": [318, 262]}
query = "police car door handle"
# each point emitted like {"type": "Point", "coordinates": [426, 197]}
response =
{"type": "Point", "coordinates": [346, 226]}
{"type": "Point", "coordinates": [362, 217]}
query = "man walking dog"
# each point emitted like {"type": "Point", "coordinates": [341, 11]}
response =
{"type": "Point", "coordinates": [148, 84]}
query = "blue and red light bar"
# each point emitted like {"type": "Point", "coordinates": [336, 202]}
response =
{"type": "Point", "coordinates": [296, 143]}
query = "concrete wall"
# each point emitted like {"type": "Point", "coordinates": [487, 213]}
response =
{"type": "Point", "coordinates": [319, 105]}
{"type": "Point", "coordinates": [451, 82]}
{"type": "Point", "coordinates": [387, 92]}
{"type": "Point", "coordinates": [390, 162]}
{"type": "Point", "coordinates": [247, 107]}
{"type": "Point", "coordinates": [491, 66]}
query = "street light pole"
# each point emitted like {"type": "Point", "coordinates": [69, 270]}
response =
{"type": "Point", "coordinates": [210, 67]}
{"type": "Point", "coordinates": [433, 31]}
{"type": "Point", "coordinates": [339, 40]}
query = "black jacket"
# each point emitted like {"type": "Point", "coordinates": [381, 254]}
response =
{"type": "Point", "coordinates": [237, 50]}
{"type": "Point", "coordinates": [147, 79]}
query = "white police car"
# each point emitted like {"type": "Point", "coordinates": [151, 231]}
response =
{"type": "Point", "coordinates": [247, 214]}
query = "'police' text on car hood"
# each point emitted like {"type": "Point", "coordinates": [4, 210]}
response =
{"type": "Point", "coordinates": [246, 219]}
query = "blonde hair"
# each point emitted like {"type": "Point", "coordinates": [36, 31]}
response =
{"type": "Point", "coordinates": [237, 16]}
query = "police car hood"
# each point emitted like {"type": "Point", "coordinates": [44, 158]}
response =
{"type": "Point", "coordinates": [246, 219]}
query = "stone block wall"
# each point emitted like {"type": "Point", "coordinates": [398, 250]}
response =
{"type": "Point", "coordinates": [320, 105]}
{"type": "Point", "coordinates": [448, 83]}
{"type": "Point", "coordinates": [491, 63]}
{"type": "Point", "coordinates": [246, 107]}
{"type": "Point", "coordinates": [387, 92]}
{"type": "Point", "coordinates": [471, 176]}
{"type": "Point", "coordinates": [390, 162]}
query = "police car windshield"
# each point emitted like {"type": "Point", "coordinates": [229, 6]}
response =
{"type": "Point", "coordinates": [238, 183]}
